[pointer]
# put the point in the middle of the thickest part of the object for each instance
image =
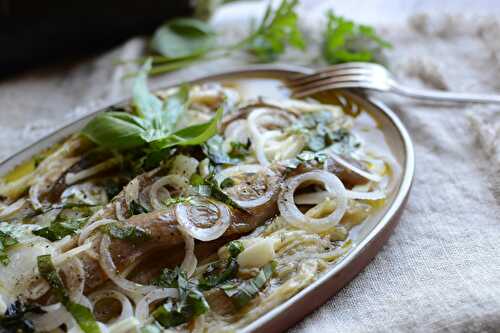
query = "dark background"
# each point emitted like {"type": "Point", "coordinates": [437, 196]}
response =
{"type": "Point", "coordinates": [35, 32]}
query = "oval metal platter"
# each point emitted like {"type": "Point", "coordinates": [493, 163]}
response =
{"type": "Point", "coordinates": [368, 238]}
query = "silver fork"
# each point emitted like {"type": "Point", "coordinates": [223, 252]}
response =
{"type": "Point", "coordinates": [372, 77]}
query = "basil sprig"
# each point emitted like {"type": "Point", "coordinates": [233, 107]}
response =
{"type": "Point", "coordinates": [83, 315]}
{"type": "Point", "coordinates": [152, 123]}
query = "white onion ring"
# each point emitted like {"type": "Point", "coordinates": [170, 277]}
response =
{"type": "Point", "coordinates": [127, 309]}
{"type": "Point", "coordinates": [88, 229]}
{"type": "Point", "coordinates": [12, 208]}
{"type": "Point", "coordinates": [107, 264]}
{"type": "Point", "coordinates": [345, 164]}
{"type": "Point", "coordinates": [177, 181]}
{"type": "Point", "coordinates": [256, 136]}
{"type": "Point", "coordinates": [55, 316]}
{"type": "Point", "coordinates": [318, 197]}
{"type": "Point", "coordinates": [142, 308]}
{"type": "Point", "coordinates": [189, 263]}
{"type": "Point", "coordinates": [75, 278]}
{"type": "Point", "coordinates": [182, 212]}
{"type": "Point", "coordinates": [293, 215]}
{"type": "Point", "coordinates": [248, 168]}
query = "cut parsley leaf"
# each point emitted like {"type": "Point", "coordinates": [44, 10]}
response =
{"type": "Point", "coordinates": [347, 41]}
{"type": "Point", "coordinates": [277, 29]}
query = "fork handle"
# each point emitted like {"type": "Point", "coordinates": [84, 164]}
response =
{"type": "Point", "coordinates": [444, 95]}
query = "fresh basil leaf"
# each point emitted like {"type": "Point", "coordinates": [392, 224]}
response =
{"type": "Point", "coordinates": [146, 104]}
{"type": "Point", "coordinates": [214, 150]}
{"type": "Point", "coordinates": [83, 316]}
{"type": "Point", "coordinates": [6, 242]}
{"type": "Point", "coordinates": [346, 41]}
{"type": "Point", "coordinates": [173, 108]}
{"type": "Point", "coordinates": [214, 276]}
{"type": "Point", "coordinates": [240, 150]}
{"type": "Point", "coordinates": [130, 233]}
{"type": "Point", "coordinates": [192, 135]}
{"type": "Point", "coordinates": [49, 273]}
{"type": "Point", "coordinates": [278, 29]}
{"type": "Point", "coordinates": [190, 304]}
{"type": "Point", "coordinates": [182, 38]}
{"type": "Point", "coordinates": [116, 130]}
{"type": "Point", "coordinates": [59, 229]}
{"type": "Point", "coordinates": [243, 293]}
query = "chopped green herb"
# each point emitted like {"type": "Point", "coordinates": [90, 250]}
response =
{"type": "Point", "coordinates": [214, 150]}
{"type": "Point", "coordinates": [136, 208]}
{"type": "Point", "coordinates": [213, 276]}
{"type": "Point", "coordinates": [174, 201]}
{"type": "Point", "coordinates": [243, 293]}
{"type": "Point", "coordinates": [347, 41]}
{"type": "Point", "coordinates": [83, 316]}
{"type": "Point", "coordinates": [228, 182]}
{"type": "Point", "coordinates": [277, 29]}
{"type": "Point", "coordinates": [130, 233]}
{"type": "Point", "coordinates": [235, 248]}
{"type": "Point", "coordinates": [59, 229]}
{"type": "Point", "coordinates": [190, 304]}
{"type": "Point", "coordinates": [210, 188]}
{"type": "Point", "coordinates": [112, 188]}
{"type": "Point", "coordinates": [240, 150]}
{"type": "Point", "coordinates": [6, 242]}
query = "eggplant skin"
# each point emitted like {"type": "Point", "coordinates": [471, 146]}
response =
{"type": "Point", "coordinates": [40, 32]}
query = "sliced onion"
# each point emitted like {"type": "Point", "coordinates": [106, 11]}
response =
{"type": "Point", "coordinates": [119, 212]}
{"type": "Point", "coordinates": [72, 178]}
{"type": "Point", "coordinates": [293, 215]}
{"type": "Point", "coordinates": [72, 253]}
{"type": "Point", "coordinates": [107, 264]}
{"type": "Point", "coordinates": [55, 316]}
{"type": "Point", "coordinates": [142, 308]}
{"type": "Point", "coordinates": [127, 309]}
{"type": "Point", "coordinates": [248, 168]}
{"type": "Point", "coordinates": [256, 119]}
{"type": "Point", "coordinates": [75, 278]}
{"type": "Point", "coordinates": [345, 164]}
{"type": "Point", "coordinates": [177, 181]}
{"type": "Point", "coordinates": [12, 208]}
{"type": "Point", "coordinates": [189, 263]}
{"type": "Point", "coordinates": [203, 211]}
{"type": "Point", "coordinates": [88, 229]}
{"type": "Point", "coordinates": [318, 197]}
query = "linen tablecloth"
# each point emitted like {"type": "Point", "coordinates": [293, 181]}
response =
{"type": "Point", "coordinates": [440, 271]}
